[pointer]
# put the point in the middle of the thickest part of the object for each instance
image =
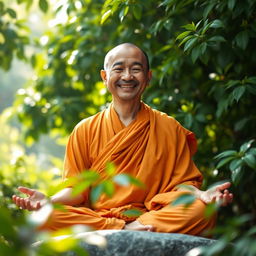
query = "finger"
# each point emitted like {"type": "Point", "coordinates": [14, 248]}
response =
{"type": "Point", "coordinates": [219, 199]}
{"type": "Point", "coordinates": [230, 198]}
{"type": "Point", "coordinates": [30, 206]}
{"type": "Point", "coordinates": [14, 198]}
{"type": "Point", "coordinates": [26, 190]}
{"type": "Point", "coordinates": [225, 200]}
{"type": "Point", "coordinates": [17, 201]}
{"type": "Point", "coordinates": [27, 203]}
{"type": "Point", "coordinates": [38, 206]}
{"type": "Point", "coordinates": [23, 203]}
{"type": "Point", "coordinates": [223, 186]}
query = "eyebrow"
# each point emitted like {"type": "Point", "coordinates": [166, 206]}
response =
{"type": "Point", "coordinates": [121, 63]}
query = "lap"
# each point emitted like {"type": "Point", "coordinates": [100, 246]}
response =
{"type": "Point", "coordinates": [179, 219]}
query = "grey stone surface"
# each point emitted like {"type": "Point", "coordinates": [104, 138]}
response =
{"type": "Point", "coordinates": [140, 243]}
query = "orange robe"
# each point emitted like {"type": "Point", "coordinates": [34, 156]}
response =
{"type": "Point", "coordinates": [154, 149]}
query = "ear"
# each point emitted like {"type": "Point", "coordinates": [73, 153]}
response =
{"type": "Point", "coordinates": [103, 75]}
{"type": "Point", "coordinates": [149, 76]}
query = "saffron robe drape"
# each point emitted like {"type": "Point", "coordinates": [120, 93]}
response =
{"type": "Point", "coordinates": [154, 149]}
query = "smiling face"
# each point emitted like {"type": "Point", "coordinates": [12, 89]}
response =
{"type": "Point", "coordinates": [126, 73]}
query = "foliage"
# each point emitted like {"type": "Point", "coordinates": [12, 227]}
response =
{"type": "Point", "coordinates": [12, 38]}
{"type": "Point", "coordinates": [14, 32]}
{"type": "Point", "coordinates": [19, 229]}
{"type": "Point", "coordinates": [203, 60]}
{"type": "Point", "coordinates": [230, 241]}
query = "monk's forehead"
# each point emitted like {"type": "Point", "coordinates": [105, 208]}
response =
{"type": "Point", "coordinates": [123, 52]}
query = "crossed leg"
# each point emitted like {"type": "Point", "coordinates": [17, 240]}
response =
{"type": "Point", "coordinates": [178, 219]}
{"type": "Point", "coordinates": [80, 216]}
{"type": "Point", "coordinates": [169, 219]}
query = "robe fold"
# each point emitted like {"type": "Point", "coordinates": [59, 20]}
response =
{"type": "Point", "coordinates": [154, 149]}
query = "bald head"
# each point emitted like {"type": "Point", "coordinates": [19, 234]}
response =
{"type": "Point", "coordinates": [115, 50]}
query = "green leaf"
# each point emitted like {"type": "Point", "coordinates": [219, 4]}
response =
{"type": "Point", "coordinates": [105, 16]}
{"type": "Point", "coordinates": [96, 192]}
{"type": "Point", "coordinates": [11, 12]}
{"type": "Point", "coordinates": [182, 35]}
{"type": "Point", "coordinates": [251, 80]}
{"type": "Point", "coordinates": [186, 199]}
{"type": "Point", "coordinates": [91, 176]}
{"type": "Point", "coordinates": [188, 120]}
{"type": "Point", "coordinates": [126, 179]}
{"type": "Point", "coordinates": [224, 161]}
{"type": "Point", "coordinates": [203, 47]}
{"type": "Point", "coordinates": [132, 213]}
{"type": "Point", "coordinates": [110, 168]}
{"type": "Point", "coordinates": [43, 4]}
{"type": "Point", "coordinates": [252, 151]}
{"type": "Point", "coordinates": [196, 51]}
{"type": "Point", "coordinates": [198, 23]}
{"type": "Point", "coordinates": [236, 176]}
{"type": "Point", "coordinates": [251, 88]}
{"type": "Point", "coordinates": [108, 187]}
{"type": "Point", "coordinates": [246, 146]}
{"type": "Point", "coordinates": [28, 4]}
{"type": "Point", "coordinates": [122, 179]}
{"type": "Point", "coordinates": [190, 27]}
{"type": "Point", "coordinates": [235, 164]}
{"type": "Point", "coordinates": [6, 223]}
{"type": "Point", "coordinates": [217, 248]}
{"type": "Point", "coordinates": [2, 38]}
{"type": "Point", "coordinates": [216, 24]}
{"type": "Point", "coordinates": [250, 160]}
{"type": "Point", "coordinates": [205, 27]}
{"type": "Point", "coordinates": [189, 44]}
{"type": "Point", "coordinates": [59, 207]}
{"type": "Point", "coordinates": [226, 153]}
{"type": "Point", "coordinates": [123, 12]}
{"type": "Point", "coordinates": [241, 123]}
{"type": "Point", "coordinates": [231, 83]}
{"type": "Point", "coordinates": [217, 39]}
{"type": "Point", "coordinates": [137, 11]}
{"type": "Point", "coordinates": [238, 92]}
{"type": "Point", "coordinates": [80, 187]}
{"type": "Point", "coordinates": [185, 40]}
{"type": "Point", "coordinates": [208, 9]}
{"type": "Point", "coordinates": [136, 182]}
{"type": "Point", "coordinates": [242, 39]}
{"type": "Point", "coordinates": [210, 210]}
{"type": "Point", "coordinates": [231, 4]}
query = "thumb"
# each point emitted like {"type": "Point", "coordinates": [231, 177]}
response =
{"type": "Point", "coordinates": [26, 191]}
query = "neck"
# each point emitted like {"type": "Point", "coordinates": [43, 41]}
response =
{"type": "Point", "coordinates": [126, 111]}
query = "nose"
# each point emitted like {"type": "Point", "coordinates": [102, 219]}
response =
{"type": "Point", "coordinates": [127, 75]}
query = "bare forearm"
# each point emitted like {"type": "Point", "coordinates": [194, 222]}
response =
{"type": "Point", "coordinates": [65, 197]}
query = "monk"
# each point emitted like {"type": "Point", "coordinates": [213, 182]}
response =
{"type": "Point", "coordinates": [143, 142]}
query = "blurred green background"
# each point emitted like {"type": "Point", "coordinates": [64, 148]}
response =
{"type": "Point", "coordinates": [202, 53]}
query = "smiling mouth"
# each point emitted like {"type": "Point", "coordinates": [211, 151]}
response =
{"type": "Point", "coordinates": [127, 85]}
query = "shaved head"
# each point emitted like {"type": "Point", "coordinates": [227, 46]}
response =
{"type": "Point", "coordinates": [124, 45]}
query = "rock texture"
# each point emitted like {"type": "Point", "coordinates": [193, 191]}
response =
{"type": "Point", "coordinates": [139, 243]}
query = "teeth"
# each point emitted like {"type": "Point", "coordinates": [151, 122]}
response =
{"type": "Point", "coordinates": [125, 86]}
